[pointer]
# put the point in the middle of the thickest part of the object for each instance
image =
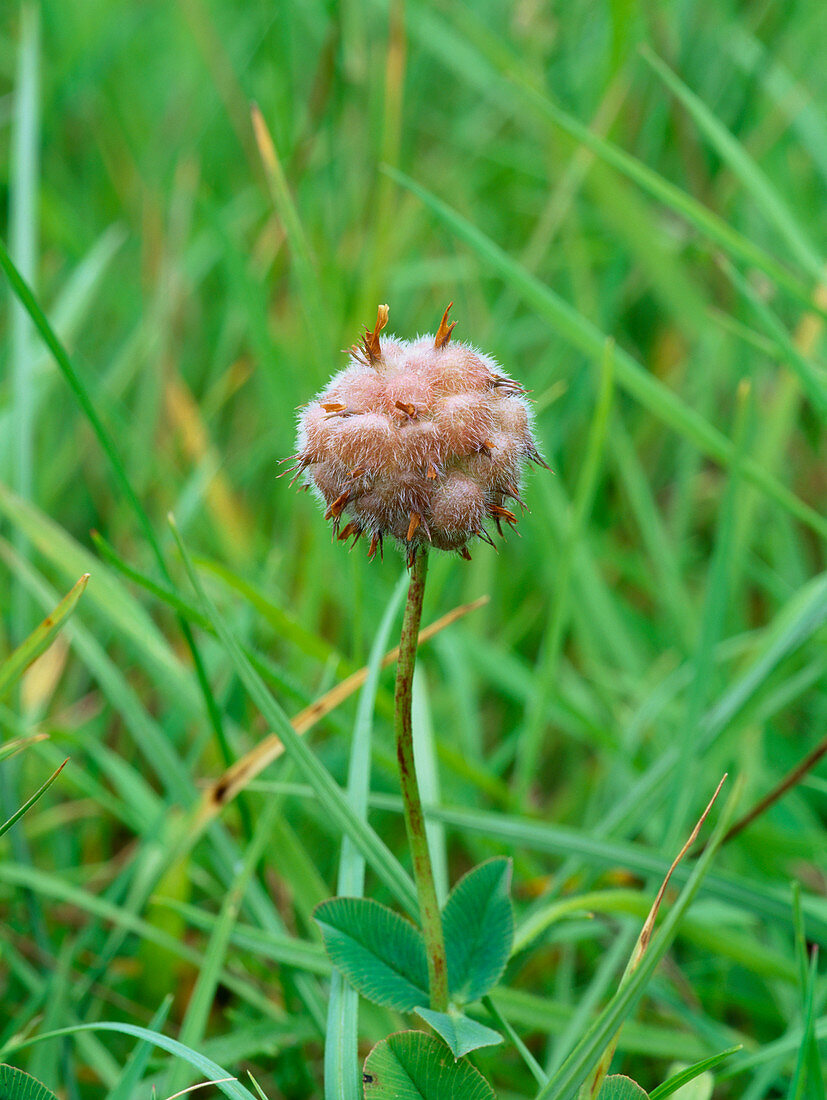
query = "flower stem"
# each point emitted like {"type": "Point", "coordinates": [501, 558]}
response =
{"type": "Point", "coordinates": [429, 913]}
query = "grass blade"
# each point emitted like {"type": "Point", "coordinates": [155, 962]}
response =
{"type": "Point", "coordinates": [307, 957]}
{"type": "Point", "coordinates": [584, 335]}
{"type": "Point", "coordinates": [23, 230]}
{"type": "Point", "coordinates": [198, 1008]}
{"type": "Point", "coordinates": [341, 1056]}
{"type": "Point", "coordinates": [766, 901]}
{"type": "Point", "coordinates": [285, 207]}
{"type": "Point", "coordinates": [40, 639]}
{"type": "Point", "coordinates": [534, 1067]}
{"type": "Point", "coordinates": [691, 1072]}
{"type": "Point", "coordinates": [224, 1081]}
{"type": "Point", "coordinates": [18, 744]}
{"type": "Point", "coordinates": [744, 167]}
{"type": "Point", "coordinates": [330, 794]}
{"type": "Point", "coordinates": [498, 74]}
{"type": "Point", "coordinates": [253, 763]}
{"type": "Point", "coordinates": [24, 293]}
{"type": "Point", "coordinates": [528, 751]}
{"type": "Point", "coordinates": [808, 1064]}
{"type": "Point", "coordinates": [642, 945]}
{"type": "Point", "coordinates": [796, 623]}
{"type": "Point", "coordinates": [717, 598]}
{"type": "Point", "coordinates": [804, 1062]}
{"type": "Point", "coordinates": [812, 385]}
{"type": "Point", "coordinates": [4, 828]}
{"type": "Point", "coordinates": [587, 1052]}
{"type": "Point", "coordinates": [70, 311]}
{"type": "Point", "coordinates": [135, 1068]}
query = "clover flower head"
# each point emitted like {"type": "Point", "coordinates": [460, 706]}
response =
{"type": "Point", "coordinates": [422, 440]}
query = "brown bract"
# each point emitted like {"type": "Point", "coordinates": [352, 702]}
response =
{"type": "Point", "coordinates": [421, 440]}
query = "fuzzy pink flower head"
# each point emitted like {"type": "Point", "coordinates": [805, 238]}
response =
{"type": "Point", "coordinates": [422, 440]}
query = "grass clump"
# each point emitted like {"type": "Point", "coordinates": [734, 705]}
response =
{"type": "Point", "coordinates": [626, 207]}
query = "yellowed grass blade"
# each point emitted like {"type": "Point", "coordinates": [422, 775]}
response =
{"type": "Point", "coordinates": [233, 522]}
{"type": "Point", "coordinates": [13, 667]}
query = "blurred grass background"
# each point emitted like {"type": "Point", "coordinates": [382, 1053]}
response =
{"type": "Point", "coordinates": [564, 173]}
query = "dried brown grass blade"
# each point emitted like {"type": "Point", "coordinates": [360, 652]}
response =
{"type": "Point", "coordinates": [253, 763]}
{"type": "Point", "coordinates": [592, 1087]}
{"type": "Point", "coordinates": [649, 924]}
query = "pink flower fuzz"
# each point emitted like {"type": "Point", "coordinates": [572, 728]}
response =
{"type": "Point", "coordinates": [423, 440]}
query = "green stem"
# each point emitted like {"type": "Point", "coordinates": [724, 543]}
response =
{"type": "Point", "coordinates": [429, 914]}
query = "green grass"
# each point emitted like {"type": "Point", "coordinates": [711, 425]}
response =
{"type": "Point", "coordinates": [626, 204]}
